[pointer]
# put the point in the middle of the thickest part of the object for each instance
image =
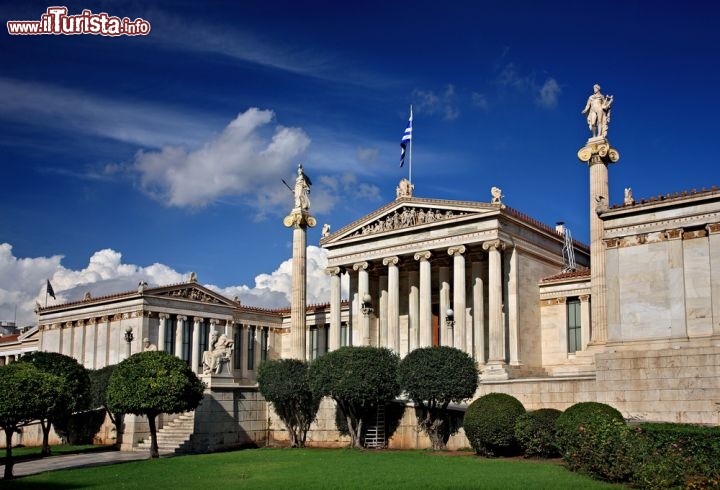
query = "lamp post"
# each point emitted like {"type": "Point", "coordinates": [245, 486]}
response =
{"type": "Point", "coordinates": [128, 338]}
{"type": "Point", "coordinates": [366, 305]}
{"type": "Point", "coordinates": [450, 318]}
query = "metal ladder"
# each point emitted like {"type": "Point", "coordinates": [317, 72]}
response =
{"type": "Point", "coordinates": [375, 432]}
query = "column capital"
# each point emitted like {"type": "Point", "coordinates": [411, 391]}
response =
{"type": "Point", "coordinates": [163, 316]}
{"type": "Point", "coordinates": [424, 255]}
{"type": "Point", "coordinates": [361, 266]}
{"type": "Point", "coordinates": [394, 260]}
{"type": "Point", "coordinates": [197, 319]}
{"type": "Point", "coordinates": [214, 321]}
{"type": "Point", "coordinates": [496, 245]}
{"type": "Point", "coordinates": [674, 234]}
{"type": "Point", "coordinates": [584, 298]}
{"type": "Point", "coordinates": [713, 228]}
{"type": "Point", "coordinates": [333, 271]}
{"type": "Point", "coordinates": [182, 317]}
{"type": "Point", "coordinates": [456, 250]}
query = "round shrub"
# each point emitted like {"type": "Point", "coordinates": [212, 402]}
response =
{"type": "Point", "coordinates": [535, 433]}
{"type": "Point", "coordinates": [490, 424]}
{"type": "Point", "coordinates": [580, 414]}
{"type": "Point", "coordinates": [594, 439]}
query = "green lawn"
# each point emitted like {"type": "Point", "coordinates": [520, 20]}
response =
{"type": "Point", "coordinates": [315, 468]}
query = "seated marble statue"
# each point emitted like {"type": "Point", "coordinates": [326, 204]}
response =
{"type": "Point", "coordinates": [220, 352]}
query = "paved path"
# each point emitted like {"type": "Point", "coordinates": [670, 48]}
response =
{"type": "Point", "coordinates": [85, 460]}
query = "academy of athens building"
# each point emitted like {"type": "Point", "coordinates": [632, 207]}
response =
{"type": "Point", "coordinates": [632, 319]}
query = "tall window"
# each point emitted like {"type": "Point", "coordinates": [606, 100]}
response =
{"type": "Point", "coordinates": [251, 348]}
{"type": "Point", "coordinates": [344, 334]}
{"type": "Point", "coordinates": [187, 340]}
{"type": "Point", "coordinates": [313, 342]}
{"type": "Point", "coordinates": [573, 325]}
{"type": "Point", "coordinates": [237, 350]}
{"type": "Point", "coordinates": [170, 334]}
{"type": "Point", "coordinates": [264, 345]}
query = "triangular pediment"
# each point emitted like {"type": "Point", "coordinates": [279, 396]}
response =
{"type": "Point", "coordinates": [411, 213]}
{"type": "Point", "coordinates": [191, 291]}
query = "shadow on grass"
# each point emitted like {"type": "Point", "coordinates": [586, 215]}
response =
{"type": "Point", "coordinates": [21, 454]}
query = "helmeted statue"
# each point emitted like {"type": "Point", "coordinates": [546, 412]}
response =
{"type": "Point", "coordinates": [302, 190]}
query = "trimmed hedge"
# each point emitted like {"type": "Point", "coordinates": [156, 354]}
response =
{"type": "Point", "coordinates": [490, 424]}
{"type": "Point", "coordinates": [535, 432]}
{"type": "Point", "coordinates": [671, 455]}
{"type": "Point", "coordinates": [574, 417]}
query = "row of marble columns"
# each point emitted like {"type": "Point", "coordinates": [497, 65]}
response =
{"type": "Point", "coordinates": [7, 359]}
{"type": "Point", "coordinates": [195, 354]}
{"type": "Point", "coordinates": [462, 335]}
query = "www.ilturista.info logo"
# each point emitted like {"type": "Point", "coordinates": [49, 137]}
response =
{"type": "Point", "coordinates": [57, 21]}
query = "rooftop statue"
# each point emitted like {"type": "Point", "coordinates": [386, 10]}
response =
{"type": "Point", "coordinates": [597, 109]}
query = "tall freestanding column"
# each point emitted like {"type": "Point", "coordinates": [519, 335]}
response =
{"type": "Point", "coordinates": [425, 299]}
{"type": "Point", "coordinates": [299, 219]}
{"type": "Point", "coordinates": [598, 153]}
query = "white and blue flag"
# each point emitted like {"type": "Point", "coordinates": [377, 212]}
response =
{"type": "Point", "coordinates": [406, 139]}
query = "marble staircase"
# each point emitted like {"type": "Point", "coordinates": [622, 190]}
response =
{"type": "Point", "coordinates": [174, 437]}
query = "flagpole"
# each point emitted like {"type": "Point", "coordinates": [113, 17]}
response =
{"type": "Point", "coordinates": [410, 152]}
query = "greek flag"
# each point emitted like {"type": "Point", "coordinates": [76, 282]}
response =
{"type": "Point", "coordinates": [50, 289]}
{"type": "Point", "coordinates": [407, 138]}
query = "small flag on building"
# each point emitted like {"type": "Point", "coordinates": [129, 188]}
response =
{"type": "Point", "coordinates": [406, 139]}
{"type": "Point", "coordinates": [50, 289]}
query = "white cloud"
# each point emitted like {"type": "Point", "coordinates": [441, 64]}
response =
{"type": "Point", "coordinates": [22, 281]}
{"type": "Point", "coordinates": [445, 103]}
{"type": "Point", "coordinates": [480, 101]}
{"type": "Point", "coordinates": [549, 93]}
{"type": "Point", "coordinates": [368, 155]}
{"type": "Point", "coordinates": [238, 162]}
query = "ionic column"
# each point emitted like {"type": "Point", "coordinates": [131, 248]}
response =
{"type": "Point", "coordinates": [179, 335]}
{"type": "Point", "coordinates": [478, 312]}
{"type": "Point", "coordinates": [447, 331]}
{"type": "Point", "coordinates": [393, 308]}
{"type": "Point", "coordinates": [335, 307]}
{"type": "Point", "coordinates": [195, 357]}
{"type": "Point", "coordinates": [161, 330]}
{"type": "Point", "coordinates": [354, 307]}
{"type": "Point", "coordinates": [425, 299]}
{"type": "Point", "coordinates": [496, 361]}
{"type": "Point", "coordinates": [413, 309]}
{"type": "Point", "coordinates": [363, 289]}
{"type": "Point", "coordinates": [459, 293]}
{"type": "Point", "coordinates": [383, 317]}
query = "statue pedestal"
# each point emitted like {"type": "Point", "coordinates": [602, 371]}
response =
{"type": "Point", "coordinates": [494, 371]}
{"type": "Point", "coordinates": [222, 380]}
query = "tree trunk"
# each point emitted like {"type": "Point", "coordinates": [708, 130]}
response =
{"type": "Point", "coordinates": [46, 437]}
{"type": "Point", "coordinates": [8, 453]}
{"type": "Point", "coordinates": [154, 452]}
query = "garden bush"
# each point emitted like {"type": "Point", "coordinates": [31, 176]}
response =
{"type": "Point", "coordinates": [672, 455]}
{"type": "Point", "coordinates": [535, 433]}
{"type": "Point", "coordinates": [594, 439]}
{"type": "Point", "coordinates": [490, 424]}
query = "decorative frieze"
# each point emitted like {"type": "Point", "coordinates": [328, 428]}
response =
{"type": "Point", "coordinates": [612, 242]}
{"type": "Point", "coordinates": [405, 217]}
{"type": "Point", "coordinates": [632, 240]}
{"type": "Point", "coordinates": [674, 234]}
{"type": "Point", "coordinates": [689, 235]}
{"type": "Point", "coordinates": [713, 228]}
{"type": "Point", "coordinates": [194, 294]}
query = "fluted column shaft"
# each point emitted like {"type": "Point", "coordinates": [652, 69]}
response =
{"type": "Point", "coordinates": [459, 293]}
{"type": "Point", "coordinates": [162, 326]}
{"type": "Point", "coordinates": [179, 335]}
{"type": "Point", "coordinates": [363, 289]}
{"type": "Point", "coordinates": [495, 323]}
{"type": "Point", "coordinates": [393, 309]}
{"type": "Point", "coordinates": [413, 310]}
{"type": "Point", "coordinates": [447, 330]}
{"type": "Point", "coordinates": [195, 357]}
{"type": "Point", "coordinates": [598, 305]}
{"type": "Point", "coordinates": [478, 312]}
{"type": "Point", "coordinates": [335, 307]}
{"type": "Point", "coordinates": [425, 299]}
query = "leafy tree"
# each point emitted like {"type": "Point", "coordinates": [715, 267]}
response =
{"type": "Point", "coordinates": [150, 383]}
{"type": "Point", "coordinates": [433, 377]}
{"type": "Point", "coordinates": [358, 379]}
{"type": "Point", "coordinates": [27, 394]}
{"type": "Point", "coordinates": [75, 383]}
{"type": "Point", "coordinates": [284, 383]}
{"type": "Point", "coordinates": [99, 380]}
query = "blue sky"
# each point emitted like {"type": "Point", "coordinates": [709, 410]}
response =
{"type": "Point", "coordinates": [153, 156]}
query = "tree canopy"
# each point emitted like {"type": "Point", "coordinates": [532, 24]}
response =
{"type": "Point", "coordinates": [433, 377]}
{"type": "Point", "coordinates": [27, 394]}
{"type": "Point", "coordinates": [150, 383]}
{"type": "Point", "coordinates": [75, 383]}
{"type": "Point", "coordinates": [358, 379]}
{"type": "Point", "coordinates": [284, 383]}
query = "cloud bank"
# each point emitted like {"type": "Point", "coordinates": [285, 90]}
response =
{"type": "Point", "coordinates": [22, 281]}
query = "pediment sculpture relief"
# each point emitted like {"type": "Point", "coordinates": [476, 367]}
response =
{"type": "Point", "coordinates": [407, 216]}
